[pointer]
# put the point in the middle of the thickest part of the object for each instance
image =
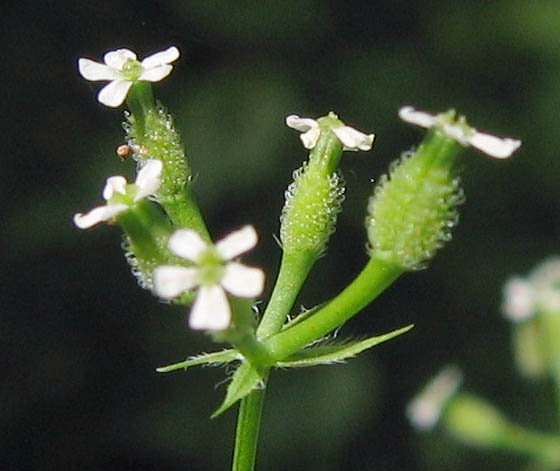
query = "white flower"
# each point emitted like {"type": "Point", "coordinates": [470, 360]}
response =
{"type": "Point", "coordinates": [494, 146]}
{"type": "Point", "coordinates": [311, 129]}
{"type": "Point", "coordinates": [519, 299]}
{"type": "Point", "coordinates": [122, 69]}
{"type": "Point", "coordinates": [545, 279]}
{"type": "Point", "coordinates": [120, 196]}
{"type": "Point", "coordinates": [426, 408]}
{"type": "Point", "coordinates": [214, 272]}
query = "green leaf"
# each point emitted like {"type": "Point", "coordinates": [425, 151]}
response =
{"type": "Point", "coordinates": [245, 379]}
{"type": "Point", "coordinates": [329, 354]}
{"type": "Point", "coordinates": [214, 358]}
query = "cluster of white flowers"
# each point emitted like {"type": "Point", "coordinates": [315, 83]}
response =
{"type": "Point", "coordinates": [214, 271]}
{"type": "Point", "coordinates": [497, 147]}
{"type": "Point", "coordinates": [311, 129]}
{"type": "Point", "coordinates": [122, 70]}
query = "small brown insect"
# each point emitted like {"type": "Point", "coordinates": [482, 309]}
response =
{"type": "Point", "coordinates": [123, 151]}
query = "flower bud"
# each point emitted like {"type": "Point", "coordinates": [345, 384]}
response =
{"type": "Point", "coordinates": [533, 304]}
{"type": "Point", "coordinates": [475, 421]}
{"type": "Point", "coordinates": [528, 349]}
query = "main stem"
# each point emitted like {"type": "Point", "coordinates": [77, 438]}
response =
{"type": "Point", "coordinates": [294, 269]}
{"type": "Point", "coordinates": [293, 272]}
{"type": "Point", "coordinates": [247, 432]}
{"type": "Point", "coordinates": [551, 324]}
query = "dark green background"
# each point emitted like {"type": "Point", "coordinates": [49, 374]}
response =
{"type": "Point", "coordinates": [81, 340]}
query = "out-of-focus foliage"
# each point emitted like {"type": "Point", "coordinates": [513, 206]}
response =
{"type": "Point", "coordinates": [81, 340]}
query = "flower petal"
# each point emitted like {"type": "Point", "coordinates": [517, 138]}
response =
{"type": "Point", "coordinates": [97, 215]}
{"type": "Point", "coordinates": [457, 132]}
{"type": "Point", "coordinates": [420, 118]}
{"type": "Point", "coordinates": [114, 185]}
{"type": "Point", "coordinates": [425, 409]}
{"type": "Point", "coordinates": [171, 281]}
{"type": "Point", "coordinates": [148, 179]}
{"type": "Point", "coordinates": [114, 93]}
{"type": "Point", "coordinates": [159, 58]}
{"type": "Point", "coordinates": [117, 58]}
{"type": "Point", "coordinates": [301, 124]}
{"type": "Point", "coordinates": [494, 146]}
{"type": "Point", "coordinates": [353, 139]}
{"type": "Point", "coordinates": [211, 310]}
{"type": "Point", "coordinates": [187, 244]}
{"type": "Point", "coordinates": [310, 137]}
{"type": "Point", "coordinates": [243, 281]}
{"type": "Point", "coordinates": [91, 70]}
{"type": "Point", "coordinates": [519, 299]}
{"type": "Point", "coordinates": [237, 242]}
{"type": "Point", "coordinates": [155, 74]}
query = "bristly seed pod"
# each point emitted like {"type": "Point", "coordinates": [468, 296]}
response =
{"type": "Point", "coordinates": [315, 197]}
{"type": "Point", "coordinates": [413, 209]}
{"type": "Point", "coordinates": [309, 214]}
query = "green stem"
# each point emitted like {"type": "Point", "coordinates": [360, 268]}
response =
{"type": "Point", "coordinates": [141, 101]}
{"type": "Point", "coordinates": [542, 447]}
{"type": "Point", "coordinates": [246, 435]}
{"type": "Point", "coordinates": [183, 211]}
{"type": "Point", "coordinates": [145, 225]}
{"type": "Point", "coordinates": [294, 269]}
{"type": "Point", "coordinates": [242, 335]}
{"type": "Point", "coordinates": [374, 278]}
{"type": "Point", "coordinates": [551, 328]}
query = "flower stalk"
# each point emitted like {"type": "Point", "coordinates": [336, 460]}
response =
{"type": "Point", "coordinates": [372, 281]}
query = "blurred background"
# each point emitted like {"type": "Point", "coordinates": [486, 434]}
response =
{"type": "Point", "coordinates": [81, 340]}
